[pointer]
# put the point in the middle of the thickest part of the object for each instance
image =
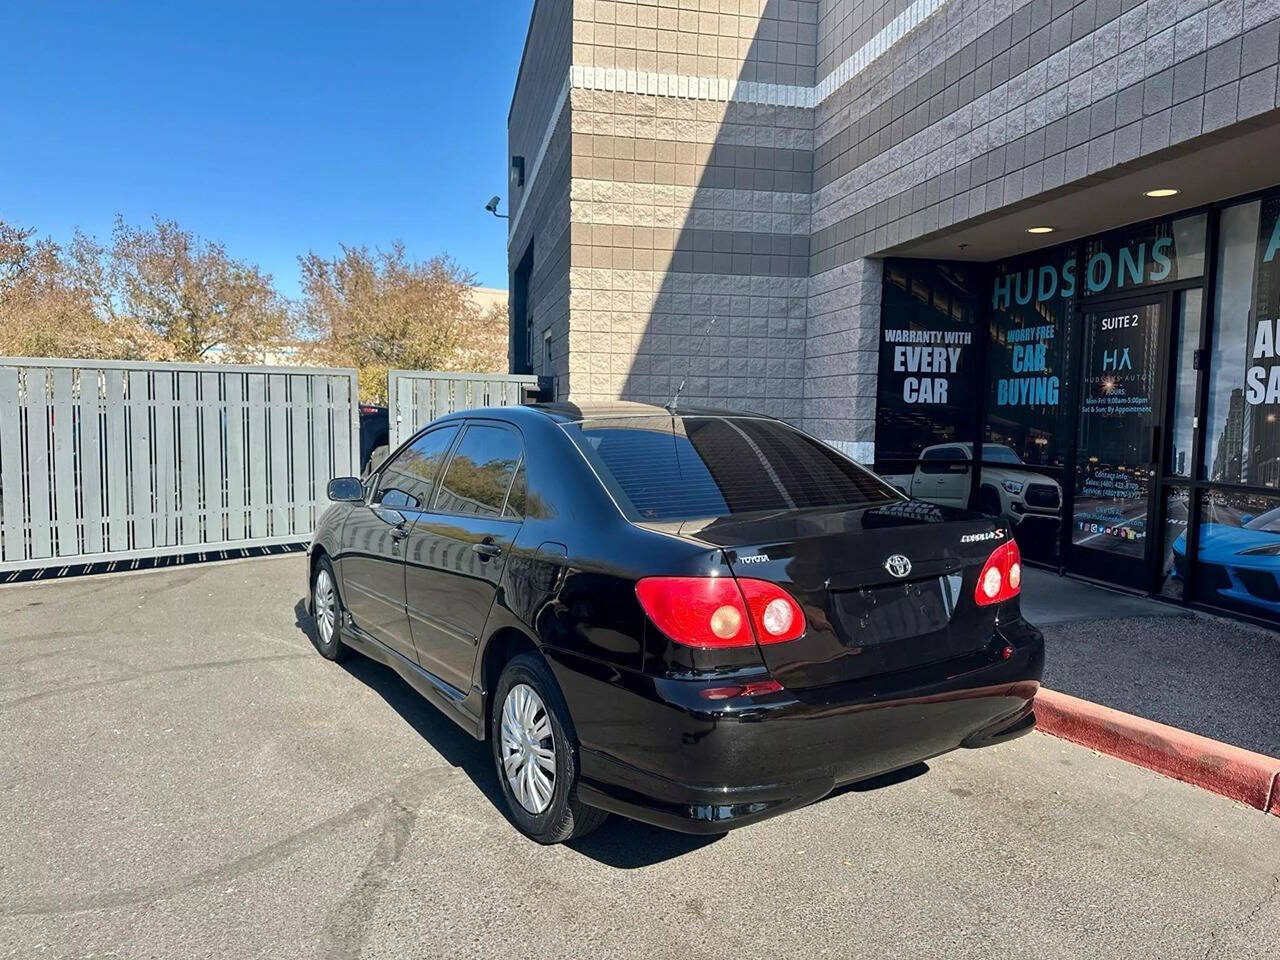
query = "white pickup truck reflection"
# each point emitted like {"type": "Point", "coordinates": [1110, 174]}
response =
{"type": "Point", "coordinates": [945, 472]}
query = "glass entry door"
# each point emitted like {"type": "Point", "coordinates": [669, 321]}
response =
{"type": "Point", "coordinates": [1114, 534]}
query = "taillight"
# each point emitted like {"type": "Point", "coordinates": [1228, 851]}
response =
{"type": "Point", "coordinates": [717, 612]}
{"type": "Point", "coordinates": [774, 612]}
{"type": "Point", "coordinates": [1001, 576]}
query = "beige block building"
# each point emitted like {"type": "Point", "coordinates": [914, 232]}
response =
{"type": "Point", "coordinates": [486, 298]}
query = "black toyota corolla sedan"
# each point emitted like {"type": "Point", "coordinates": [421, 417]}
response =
{"type": "Point", "coordinates": [697, 619]}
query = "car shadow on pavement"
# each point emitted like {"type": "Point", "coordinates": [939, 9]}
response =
{"type": "Point", "coordinates": [448, 739]}
{"type": "Point", "coordinates": [890, 779]}
{"type": "Point", "coordinates": [622, 843]}
{"type": "Point", "coordinates": [630, 844]}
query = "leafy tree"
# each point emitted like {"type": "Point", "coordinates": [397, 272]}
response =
{"type": "Point", "coordinates": [379, 310]}
{"type": "Point", "coordinates": [156, 293]}
{"type": "Point", "coordinates": [48, 305]}
{"type": "Point", "coordinates": [15, 253]}
{"type": "Point", "coordinates": [189, 297]}
{"type": "Point", "coordinates": [160, 292]}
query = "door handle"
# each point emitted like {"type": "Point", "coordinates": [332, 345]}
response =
{"type": "Point", "coordinates": [399, 531]}
{"type": "Point", "coordinates": [487, 550]}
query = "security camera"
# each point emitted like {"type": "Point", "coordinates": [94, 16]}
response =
{"type": "Point", "coordinates": [492, 207]}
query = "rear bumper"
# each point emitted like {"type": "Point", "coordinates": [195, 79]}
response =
{"type": "Point", "coordinates": [659, 752]}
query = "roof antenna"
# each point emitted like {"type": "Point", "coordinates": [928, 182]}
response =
{"type": "Point", "coordinates": [675, 399]}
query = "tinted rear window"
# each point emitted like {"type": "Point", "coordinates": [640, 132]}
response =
{"type": "Point", "coordinates": [677, 469]}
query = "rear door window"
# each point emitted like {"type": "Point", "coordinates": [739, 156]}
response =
{"type": "Point", "coordinates": [664, 468]}
{"type": "Point", "coordinates": [479, 475]}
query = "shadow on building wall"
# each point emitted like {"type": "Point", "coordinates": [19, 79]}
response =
{"type": "Point", "coordinates": [691, 224]}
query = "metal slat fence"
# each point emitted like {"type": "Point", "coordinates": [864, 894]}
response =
{"type": "Point", "coordinates": [416, 397]}
{"type": "Point", "coordinates": [114, 460]}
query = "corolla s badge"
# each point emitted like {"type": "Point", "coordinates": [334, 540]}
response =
{"type": "Point", "coordinates": [898, 565]}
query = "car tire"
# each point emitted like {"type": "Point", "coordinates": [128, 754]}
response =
{"type": "Point", "coordinates": [327, 612]}
{"type": "Point", "coordinates": [528, 721]}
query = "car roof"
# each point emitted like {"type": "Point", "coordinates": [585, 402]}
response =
{"type": "Point", "coordinates": [566, 412]}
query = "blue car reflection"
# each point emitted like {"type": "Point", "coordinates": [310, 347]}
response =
{"type": "Point", "coordinates": [1238, 563]}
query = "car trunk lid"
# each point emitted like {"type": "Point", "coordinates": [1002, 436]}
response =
{"type": "Point", "coordinates": [884, 588]}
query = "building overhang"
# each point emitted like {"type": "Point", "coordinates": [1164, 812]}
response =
{"type": "Point", "coordinates": [1217, 166]}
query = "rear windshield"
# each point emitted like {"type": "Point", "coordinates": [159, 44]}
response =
{"type": "Point", "coordinates": [681, 468]}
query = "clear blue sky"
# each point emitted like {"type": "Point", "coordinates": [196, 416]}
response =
{"type": "Point", "coordinates": [276, 127]}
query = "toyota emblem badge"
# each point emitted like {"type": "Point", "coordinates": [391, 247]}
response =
{"type": "Point", "coordinates": [898, 565]}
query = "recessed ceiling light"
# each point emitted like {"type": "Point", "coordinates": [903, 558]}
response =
{"type": "Point", "coordinates": [1039, 229]}
{"type": "Point", "coordinates": [1162, 192]}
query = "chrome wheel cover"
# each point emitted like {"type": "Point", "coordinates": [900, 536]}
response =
{"type": "Point", "coordinates": [325, 606]}
{"type": "Point", "coordinates": [528, 748]}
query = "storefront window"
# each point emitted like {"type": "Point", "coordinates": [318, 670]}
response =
{"type": "Point", "coordinates": [1237, 251]}
{"type": "Point", "coordinates": [1117, 414]}
{"type": "Point", "coordinates": [929, 365]}
{"type": "Point", "coordinates": [1029, 420]}
{"type": "Point", "coordinates": [1244, 392]}
{"type": "Point", "coordinates": [1030, 357]}
{"type": "Point", "coordinates": [1095, 347]}
{"type": "Point", "coordinates": [1187, 340]}
{"type": "Point", "coordinates": [1239, 552]}
{"type": "Point", "coordinates": [1173, 569]}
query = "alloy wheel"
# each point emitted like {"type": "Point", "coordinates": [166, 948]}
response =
{"type": "Point", "coordinates": [326, 606]}
{"type": "Point", "coordinates": [528, 748]}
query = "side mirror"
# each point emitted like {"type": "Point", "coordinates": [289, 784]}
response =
{"type": "Point", "coordinates": [1246, 519]}
{"type": "Point", "coordinates": [346, 490]}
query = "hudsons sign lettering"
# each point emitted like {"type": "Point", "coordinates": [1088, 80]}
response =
{"type": "Point", "coordinates": [1131, 266]}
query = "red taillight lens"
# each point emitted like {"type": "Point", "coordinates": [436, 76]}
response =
{"type": "Point", "coordinates": [716, 612]}
{"type": "Point", "coordinates": [697, 611]}
{"type": "Point", "coordinates": [1001, 576]}
{"type": "Point", "coordinates": [774, 612]}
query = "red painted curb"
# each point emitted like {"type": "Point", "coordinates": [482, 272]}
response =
{"type": "Point", "coordinates": [1244, 776]}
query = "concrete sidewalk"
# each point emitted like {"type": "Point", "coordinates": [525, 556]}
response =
{"type": "Point", "coordinates": [1214, 677]}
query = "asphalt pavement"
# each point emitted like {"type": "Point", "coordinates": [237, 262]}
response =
{"type": "Point", "coordinates": [185, 777]}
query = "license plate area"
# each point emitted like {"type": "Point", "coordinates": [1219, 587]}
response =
{"type": "Point", "coordinates": [878, 616]}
